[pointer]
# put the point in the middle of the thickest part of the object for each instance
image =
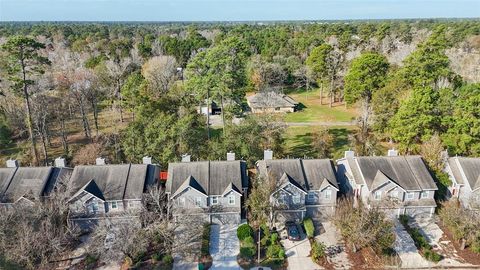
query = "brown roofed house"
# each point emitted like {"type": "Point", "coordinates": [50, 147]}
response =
{"type": "Point", "coordinates": [271, 102]}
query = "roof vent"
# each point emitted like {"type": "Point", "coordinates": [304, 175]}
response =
{"type": "Point", "coordinates": [268, 154]}
{"type": "Point", "coordinates": [392, 152]}
{"type": "Point", "coordinates": [100, 161]}
{"type": "Point", "coordinates": [349, 154]}
{"type": "Point", "coordinates": [186, 158]}
{"type": "Point", "coordinates": [12, 163]}
{"type": "Point", "coordinates": [147, 160]}
{"type": "Point", "coordinates": [230, 156]}
{"type": "Point", "coordinates": [60, 162]}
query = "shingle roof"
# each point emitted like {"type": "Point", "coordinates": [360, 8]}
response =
{"type": "Point", "coordinates": [309, 174]}
{"type": "Point", "coordinates": [409, 172]}
{"type": "Point", "coordinates": [27, 181]}
{"type": "Point", "coordinates": [470, 167]}
{"type": "Point", "coordinates": [270, 99]}
{"type": "Point", "coordinates": [212, 176]}
{"type": "Point", "coordinates": [116, 182]}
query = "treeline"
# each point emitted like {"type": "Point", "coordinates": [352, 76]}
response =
{"type": "Point", "coordinates": [156, 76]}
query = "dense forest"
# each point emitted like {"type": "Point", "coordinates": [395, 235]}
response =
{"type": "Point", "coordinates": [124, 91]}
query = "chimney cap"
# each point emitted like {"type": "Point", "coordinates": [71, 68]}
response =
{"type": "Point", "coordinates": [60, 162]}
{"type": "Point", "coordinates": [186, 158]}
{"type": "Point", "coordinates": [100, 161]}
{"type": "Point", "coordinates": [392, 152]}
{"type": "Point", "coordinates": [349, 153]}
{"type": "Point", "coordinates": [230, 156]}
{"type": "Point", "coordinates": [267, 154]}
{"type": "Point", "coordinates": [147, 160]}
{"type": "Point", "coordinates": [12, 163]}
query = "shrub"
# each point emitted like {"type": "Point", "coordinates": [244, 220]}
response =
{"type": "Point", "coordinates": [249, 241]}
{"type": "Point", "coordinates": [432, 255]}
{"type": "Point", "coordinates": [318, 251]}
{"type": "Point", "coordinates": [205, 249]}
{"type": "Point", "coordinates": [167, 259]}
{"type": "Point", "coordinates": [404, 219]}
{"type": "Point", "coordinates": [281, 254]}
{"type": "Point", "coordinates": [156, 257]}
{"type": "Point", "coordinates": [274, 237]}
{"type": "Point", "coordinates": [309, 228]}
{"type": "Point", "coordinates": [419, 239]}
{"type": "Point", "coordinates": [247, 252]}
{"type": "Point", "coordinates": [273, 251]}
{"type": "Point", "coordinates": [244, 231]}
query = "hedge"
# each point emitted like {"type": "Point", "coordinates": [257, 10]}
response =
{"type": "Point", "coordinates": [309, 228]}
{"type": "Point", "coordinates": [420, 241]}
{"type": "Point", "coordinates": [318, 251]}
{"type": "Point", "coordinates": [244, 231]}
{"type": "Point", "coordinates": [205, 250]}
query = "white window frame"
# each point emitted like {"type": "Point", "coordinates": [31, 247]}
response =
{"type": "Point", "coordinates": [214, 200]}
{"type": "Point", "coordinates": [112, 205]}
{"type": "Point", "coordinates": [394, 194]}
{"type": "Point", "coordinates": [377, 195]}
{"type": "Point", "coordinates": [311, 196]}
{"type": "Point", "coordinates": [296, 199]}
{"type": "Point", "coordinates": [198, 201]}
{"type": "Point", "coordinates": [231, 199]}
{"type": "Point", "coordinates": [328, 194]}
{"type": "Point", "coordinates": [412, 194]}
{"type": "Point", "coordinates": [425, 194]}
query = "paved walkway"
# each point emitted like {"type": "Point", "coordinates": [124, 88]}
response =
{"type": "Point", "coordinates": [331, 238]}
{"type": "Point", "coordinates": [224, 247]}
{"type": "Point", "coordinates": [326, 124]}
{"type": "Point", "coordinates": [298, 253]}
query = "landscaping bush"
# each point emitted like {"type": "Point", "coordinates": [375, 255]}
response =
{"type": "Point", "coordinates": [404, 219]}
{"type": "Point", "coordinates": [167, 259]}
{"type": "Point", "coordinates": [205, 249]}
{"type": "Point", "coordinates": [281, 254]}
{"type": "Point", "coordinates": [244, 231]}
{"type": "Point", "coordinates": [274, 238]}
{"type": "Point", "coordinates": [156, 257]}
{"type": "Point", "coordinates": [309, 228]}
{"type": "Point", "coordinates": [432, 255]}
{"type": "Point", "coordinates": [273, 251]}
{"type": "Point", "coordinates": [318, 251]}
{"type": "Point", "coordinates": [247, 252]}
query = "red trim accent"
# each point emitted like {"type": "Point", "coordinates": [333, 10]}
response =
{"type": "Point", "coordinates": [163, 175]}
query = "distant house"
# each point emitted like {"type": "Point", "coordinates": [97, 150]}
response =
{"type": "Point", "coordinates": [100, 190]}
{"type": "Point", "coordinates": [396, 184]}
{"type": "Point", "coordinates": [211, 190]}
{"type": "Point", "coordinates": [26, 185]}
{"type": "Point", "coordinates": [271, 102]}
{"type": "Point", "coordinates": [304, 187]}
{"type": "Point", "coordinates": [464, 173]}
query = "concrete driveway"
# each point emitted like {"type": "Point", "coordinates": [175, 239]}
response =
{"type": "Point", "coordinates": [435, 236]}
{"type": "Point", "coordinates": [406, 249]}
{"type": "Point", "coordinates": [298, 253]}
{"type": "Point", "coordinates": [331, 237]}
{"type": "Point", "coordinates": [224, 247]}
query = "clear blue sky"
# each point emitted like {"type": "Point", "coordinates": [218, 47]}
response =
{"type": "Point", "coordinates": [232, 10]}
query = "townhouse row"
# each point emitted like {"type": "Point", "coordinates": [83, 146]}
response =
{"type": "Point", "coordinates": [216, 190]}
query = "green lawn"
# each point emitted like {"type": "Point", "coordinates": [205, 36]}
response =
{"type": "Point", "coordinates": [312, 111]}
{"type": "Point", "coordinates": [298, 141]}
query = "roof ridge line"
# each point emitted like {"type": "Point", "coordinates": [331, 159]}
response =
{"type": "Point", "coordinates": [126, 180]}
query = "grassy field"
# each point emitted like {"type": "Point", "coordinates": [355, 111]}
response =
{"type": "Point", "coordinates": [298, 141]}
{"type": "Point", "coordinates": [312, 111]}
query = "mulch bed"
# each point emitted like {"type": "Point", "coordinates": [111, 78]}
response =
{"type": "Point", "coordinates": [466, 254]}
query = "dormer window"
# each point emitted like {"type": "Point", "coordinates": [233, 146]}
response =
{"type": "Point", "coordinates": [231, 199]}
{"type": "Point", "coordinates": [214, 200]}
{"type": "Point", "coordinates": [198, 201]}
{"type": "Point", "coordinates": [328, 194]}
{"type": "Point", "coordinates": [410, 195]}
{"type": "Point", "coordinates": [114, 205]}
{"type": "Point", "coordinates": [311, 196]}
{"type": "Point", "coordinates": [377, 195]}
{"type": "Point", "coordinates": [296, 199]}
{"type": "Point", "coordinates": [425, 194]}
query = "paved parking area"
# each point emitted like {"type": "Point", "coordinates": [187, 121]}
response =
{"type": "Point", "coordinates": [224, 247]}
{"type": "Point", "coordinates": [331, 237]}
{"type": "Point", "coordinates": [298, 253]}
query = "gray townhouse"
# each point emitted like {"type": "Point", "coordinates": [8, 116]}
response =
{"type": "Point", "coordinates": [102, 190]}
{"type": "Point", "coordinates": [27, 185]}
{"type": "Point", "coordinates": [464, 172]}
{"type": "Point", "coordinates": [396, 184]}
{"type": "Point", "coordinates": [303, 187]}
{"type": "Point", "coordinates": [211, 190]}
